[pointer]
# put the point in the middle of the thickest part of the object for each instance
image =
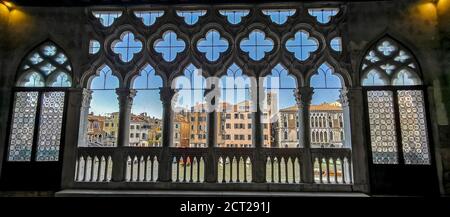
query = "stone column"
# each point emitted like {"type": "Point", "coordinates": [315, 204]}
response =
{"type": "Point", "coordinates": [359, 147]}
{"type": "Point", "coordinates": [165, 163]}
{"type": "Point", "coordinates": [347, 143]}
{"type": "Point", "coordinates": [259, 166]}
{"type": "Point", "coordinates": [125, 97]}
{"type": "Point", "coordinates": [303, 97]}
{"type": "Point", "coordinates": [77, 100]}
{"type": "Point", "coordinates": [211, 160]}
{"type": "Point", "coordinates": [86, 96]}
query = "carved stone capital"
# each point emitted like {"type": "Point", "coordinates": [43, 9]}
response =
{"type": "Point", "coordinates": [86, 98]}
{"type": "Point", "coordinates": [344, 96]}
{"type": "Point", "coordinates": [303, 96]}
{"type": "Point", "coordinates": [166, 94]}
{"type": "Point", "coordinates": [125, 96]}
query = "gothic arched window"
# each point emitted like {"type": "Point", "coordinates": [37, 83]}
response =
{"type": "Point", "coordinates": [39, 102]}
{"type": "Point", "coordinates": [234, 110]}
{"type": "Point", "coordinates": [398, 95]}
{"type": "Point", "coordinates": [99, 118]}
{"type": "Point", "coordinates": [190, 108]}
{"type": "Point", "coordinates": [147, 110]}
{"type": "Point", "coordinates": [388, 63]}
{"type": "Point", "coordinates": [279, 100]}
{"type": "Point", "coordinates": [328, 100]}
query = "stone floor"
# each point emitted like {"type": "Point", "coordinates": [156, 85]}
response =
{"type": "Point", "coordinates": [165, 193]}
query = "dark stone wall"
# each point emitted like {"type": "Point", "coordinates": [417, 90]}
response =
{"type": "Point", "coordinates": [422, 26]}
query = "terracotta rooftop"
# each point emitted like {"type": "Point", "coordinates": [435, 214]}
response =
{"type": "Point", "coordinates": [321, 107]}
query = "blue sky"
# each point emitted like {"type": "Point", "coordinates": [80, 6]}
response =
{"type": "Point", "coordinates": [147, 99]}
{"type": "Point", "coordinates": [212, 45]}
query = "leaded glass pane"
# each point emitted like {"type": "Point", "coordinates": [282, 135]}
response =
{"type": "Point", "coordinates": [413, 127]}
{"type": "Point", "coordinates": [382, 127]}
{"type": "Point", "coordinates": [50, 125]}
{"type": "Point", "coordinates": [22, 129]}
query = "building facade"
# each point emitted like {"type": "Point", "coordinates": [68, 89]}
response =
{"type": "Point", "coordinates": [394, 78]}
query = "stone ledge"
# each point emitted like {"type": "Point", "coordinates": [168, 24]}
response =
{"type": "Point", "coordinates": [166, 193]}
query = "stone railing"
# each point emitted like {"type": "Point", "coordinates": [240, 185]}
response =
{"type": "Point", "coordinates": [135, 167]}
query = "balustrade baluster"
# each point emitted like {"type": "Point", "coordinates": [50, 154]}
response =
{"type": "Point", "coordinates": [343, 172]}
{"type": "Point", "coordinates": [198, 169]}
{"type": "Point", "coordinates": [320, 171]}
{"type": "Point", "coordinates": [192, 169]}
{"type": "Point", "coordinates": [328, 170]}
{"type": "Point", "coordinates": [335, 171]}
{"type": "Point", "coordinates": [272, 170]}
{"type": "Point", "coordinates": [238, 160]}
{"type": "Point", "coordinates": [178, 169]}
{"type": "Point", "coordinates": [85, 170]}
{"type": "Point", "coordinates": [279, 170]}
{"type": "Point", "coordinates": [146, 168]}
{"type": "Point", "coordinates": [231, 170]}
{"type": "Point", "coordinates": [184, 160]}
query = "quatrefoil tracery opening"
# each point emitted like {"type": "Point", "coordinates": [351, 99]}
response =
{"type": "Point", "coordinates": [212, 45]}
{"type": "Point", "coordinates": [257, 45]}
{"type": "Point", "coordinates": [127, 46]}
{"type": "Point", "coordinates": [169, 46]}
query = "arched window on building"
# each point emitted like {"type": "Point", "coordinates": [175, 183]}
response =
{"type": "Point", "coordinates": [190, 109]}
{"type": "Point", "coordinates": [39, 104]}
{"type": "Point", "coordinates": [396, 104]}
{"type": "Point", "coordinates": [147, 109]}
{"type": "Point", "coordinates": [279, 101]}
{"type": "Point", "coordinates": [99, 118]}
{"type": "Point", "coordinates": [235, 113]}
{"type": "Point", "coordinates": [327, 101]}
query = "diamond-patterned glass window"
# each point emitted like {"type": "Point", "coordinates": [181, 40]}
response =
{"type": "Point", "coordinates": [302, 45]}
{"type": "Point", "coordinates": [257, 45]}
{"type": "Point", "coordinates": [50, 126]}
{"type": "Point", "coordinates": [23, 124]}
{"type": "Point", "coordinates": [212, 45]}
{"type": "Point", "coordinates": [387, 63]}
{"type": "Point", "coordinates": [382, 127]}
{"type": "Point", "coordinates": [169, 46]}
{"type": "Point", "coordinates": [413, 127]}
{"type": "Point", "coordinates": [46, 66]}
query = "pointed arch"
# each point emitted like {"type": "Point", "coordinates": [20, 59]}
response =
{"type": "Point", "coordinates": [325, 76]}
{"type": "Point", "coordinates": [390, 58]}
{"type": "Point", "coordinates": [336, 70]}
{"type": "Point", "coordinates": [42, 65]}
{"type": "Point", "coordinates": [94, 70]}
{"type": "Point", "coordinates": [107, 73]}
{"type": "Point", "coordinates": [145, 78]}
